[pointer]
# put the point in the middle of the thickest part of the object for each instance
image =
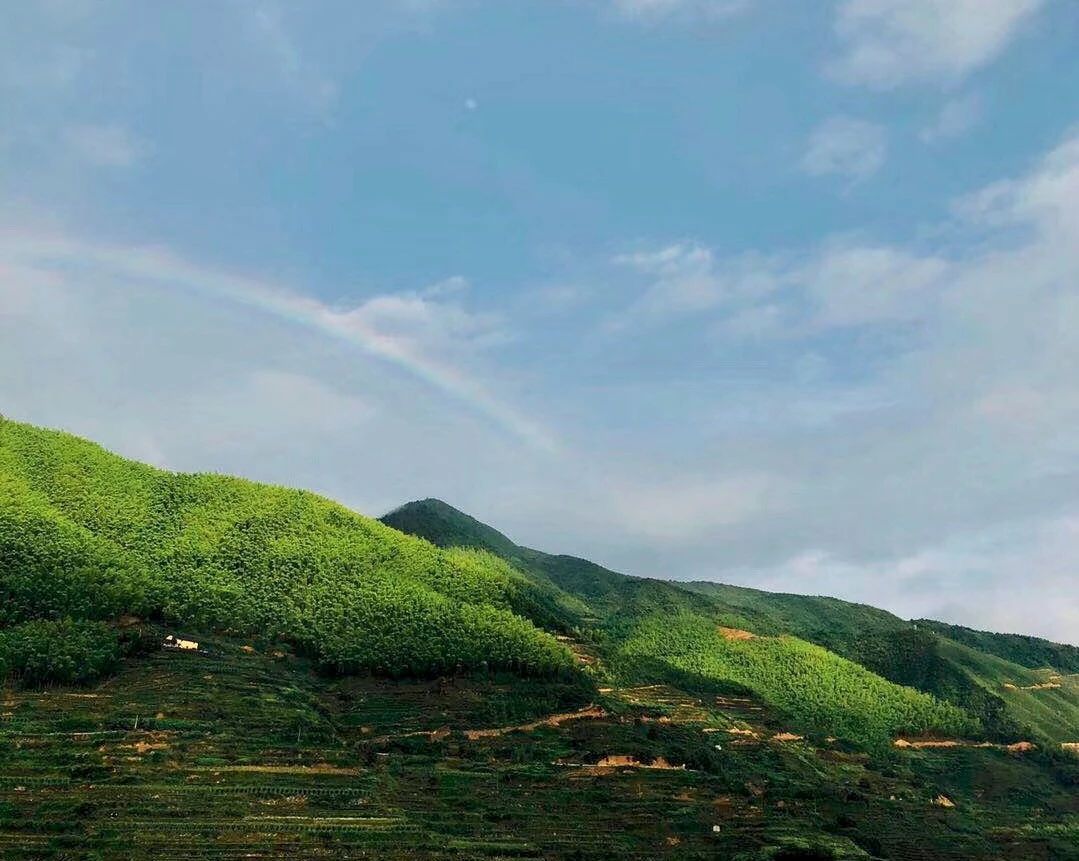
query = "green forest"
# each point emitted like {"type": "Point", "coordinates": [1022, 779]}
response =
{"type": "Point", "coordinates": [89, 539]}
{"type": "Point", "coordinates": [86, 535]}
{"type": "Point", "coordinates": [424, 687]}
{"type": "Point", "coordinates": [819, 691]}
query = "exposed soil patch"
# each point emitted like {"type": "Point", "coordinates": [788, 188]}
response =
{"type": "Point", "coordinates": [735, 634]}
{"type": "Point", "coordinates": [141, 747]}
{"type": "Point", "coordinates": [1052, 684]}
{"type": "Point", "coordinates": [930, 743]}
{"type": "Point", "coordinates": [590, 712]}
{"type": "Point", "coordinates": [614, 761]}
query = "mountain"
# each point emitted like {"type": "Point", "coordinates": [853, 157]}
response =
{"type": "Point", "coordinates": [1007, 696]}
{"type": "Point", "coordinates": [199, 666]}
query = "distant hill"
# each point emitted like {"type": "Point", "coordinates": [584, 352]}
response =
{"type": "Point", "coordinates": [669, 629]}
{"type": "Point", "coordinates": [1021, 649]}
{"type": "Point", "coordinates": [921, 655]}
{"type": "Point", "coordinates": [445, 526]}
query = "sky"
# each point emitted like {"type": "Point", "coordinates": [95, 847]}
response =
{"type": "Point", "coordinates": [772, 293]}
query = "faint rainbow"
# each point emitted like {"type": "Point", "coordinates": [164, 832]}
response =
{"type": "Point", "coordinates": [159, 265]}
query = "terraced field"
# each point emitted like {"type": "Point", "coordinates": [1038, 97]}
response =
{"type": "Point", "coordinates": [231, 753]}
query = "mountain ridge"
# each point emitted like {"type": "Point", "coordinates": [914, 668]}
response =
{"type": "Point", "coordinates": [909, 653]}
{"type": "Point", "coordinates": [349, 690]}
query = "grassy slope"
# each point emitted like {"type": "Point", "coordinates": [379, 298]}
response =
{"type": "Point", "coordinates": [87, 534]}
{"type": "Point", "coordinates": [1044, 701]}
{"type": "Point", "coordinates": [1032, 652]}
{"type": "Point", "coordinates": [967, 667]}
{"type": "Point", "coordinates": [656, 627]}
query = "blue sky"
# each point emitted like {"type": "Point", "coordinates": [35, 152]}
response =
{"type": "Point", "coordinates": [768, 292]}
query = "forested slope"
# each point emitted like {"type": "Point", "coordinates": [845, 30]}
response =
{"type": "Point", "coordinates": [1021, 649]}
{"type": "Point", "coordinates": [87, 535]}
{"type": "Point", "coordinates": [649, 629]}
{"type": "Point", "coordinates": [990, 679]}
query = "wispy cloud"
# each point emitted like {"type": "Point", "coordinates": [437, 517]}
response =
{"type": "Point", "coordinates": [266, 21]}
{"type": "Point", "coordinates": [886, 43]}
{"type": "Point", "coordinates": [842, 284]}
{"type": "Point", "coordinates": [104, 145]}
{"type": "Point", "coordinates": [976, 578]}
{"type": "Point", "coordinates": [846, 147]}
{"type": "Point", "coordinates": [686, 278]}
{"type": "Point", "coordinates": [424, 335]}
{"type": "Point", "coordinates": [657, 10]}
{"type": "Point", "coordinates": [956, 116]}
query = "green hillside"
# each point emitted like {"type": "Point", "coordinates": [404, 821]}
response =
{"type": "Point", "coordinates": [816, 690]}
{"type": "Point", "coordinates": [918, 655]}
{"type": "Point", "coordinates": [1027, 651]}
{"type": "Point", "coordinates": [652, 630]}
{"type": "Point", "coordinates": [362, 693]}
{"type": "Point", "coordinates": [925, 654]}
{"type": "Point", "coordinates": [85, 534]}
{"type": "Point", "coordinates": [1044, 701]}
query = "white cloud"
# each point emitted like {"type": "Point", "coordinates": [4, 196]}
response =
{"type": "Point", "coordinates": [686, 277]}
{"type": "Point", "coordinates": [266, 21]}
{"type": "Point", "coordinates": [847, 147]}
{"type": "Point", "coordinates": [674, 510]}
{"type": "Point", "coordinates": [841, 284]}
{"type": "Point", "coordinates": [432, 338]}
{"type": "Point", "coordinates": [104, 145]}
{"type": "Point", "coordinates": [980, 579]}
{"type": "Point", "coordinates": [956, 117]}
{"type": "Point", "coordinates": [293, 406]}
{"type": "Point", "coordinates": [654, 10]}
{"type": "Point", "coordinates": [887, 43]}
{"type": "Point", "coordinates": [859, 284]}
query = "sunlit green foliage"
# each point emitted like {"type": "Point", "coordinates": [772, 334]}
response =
{"type": "Point", "coordinates": [818, 689]}
{"type": "Point", "coordinates": [57, 651]}
{"type": "Point", "coordinates": [907, 653]}
{"type": "Point", "coordinates": [86, 534]}
{"type": "Point", "coordinates": [652, 630]}
{"type": "Point", "coordinates": [1044, 705]}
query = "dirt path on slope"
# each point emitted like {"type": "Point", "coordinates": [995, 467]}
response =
{"type": "Point", "coordinates": [589, 712]}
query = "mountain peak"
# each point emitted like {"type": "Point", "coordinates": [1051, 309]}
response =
{"type": "Point", "coordinates": [446, 526]}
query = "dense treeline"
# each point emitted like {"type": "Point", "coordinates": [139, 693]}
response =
{"type": "Point", "coordinates": [63, 651]}
{"type": "Point", "coordinates": [819, 690]}
{"type": "Point", "coordinates": [1032, 652]}
{"type": "Point", "coordinates": [88, 535]}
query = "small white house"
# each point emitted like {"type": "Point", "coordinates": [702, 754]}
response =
{"type": "Point", "coordinates": [174, 642]}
